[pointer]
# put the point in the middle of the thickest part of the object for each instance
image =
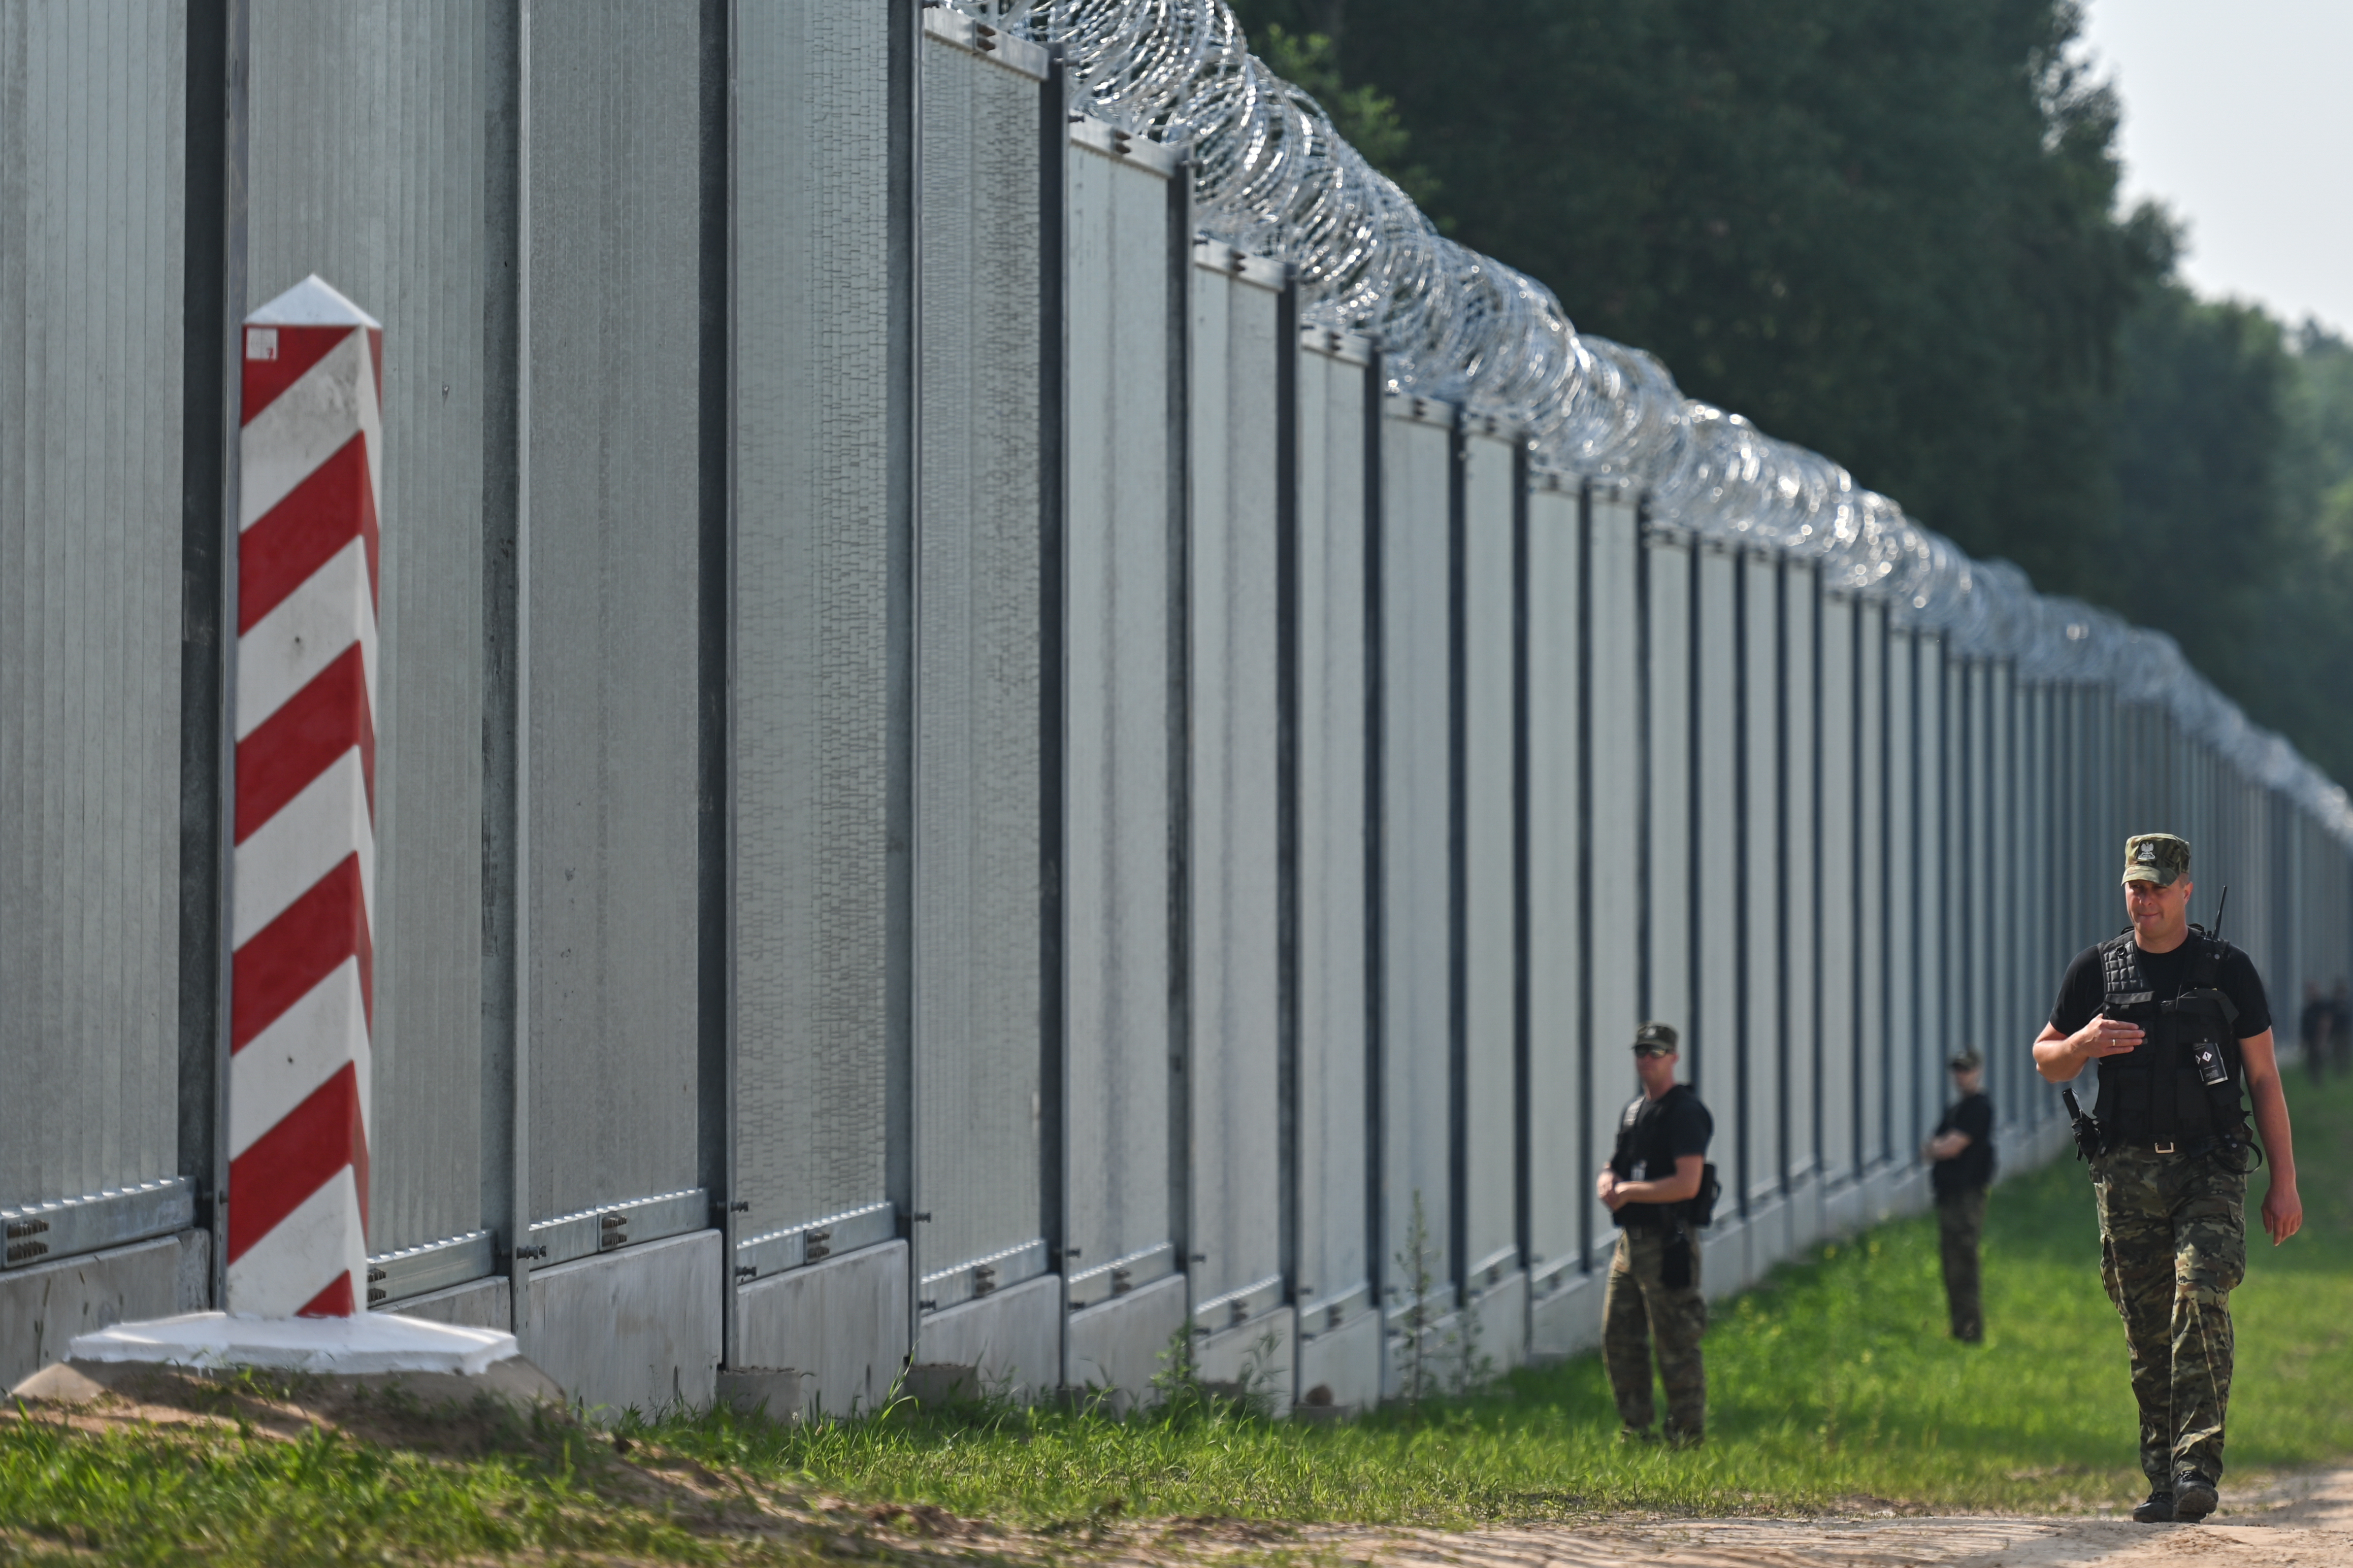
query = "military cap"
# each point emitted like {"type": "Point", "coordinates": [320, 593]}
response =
{"type": "Point", "coordinates": [1965, 1061]}
{"type": "Point", "coordinates": [1655, 1037]}
{"type": "Point", "coordinates": [2159, 857]}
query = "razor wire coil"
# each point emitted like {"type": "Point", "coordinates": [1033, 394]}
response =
{"type": "Point", "coordinates": [1272, 175]}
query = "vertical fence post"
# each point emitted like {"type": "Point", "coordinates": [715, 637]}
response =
{"type": "Point", "coordinates": [301, 986]}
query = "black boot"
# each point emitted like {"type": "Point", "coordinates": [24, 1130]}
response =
{"type": "Point", "coordinates": [2193, 1497]}
{"type": "Point", "coordinates": [2157, 1510]}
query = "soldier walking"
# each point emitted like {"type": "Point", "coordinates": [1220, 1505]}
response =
{"type": "Point", "coordinates": [1961, 1149]}
{"type": "Point", "coordinates": [1652, 1185]}
{"type": "Point", "coordinates": [2177, 1021]}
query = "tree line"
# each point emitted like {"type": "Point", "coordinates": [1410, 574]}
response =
{"type": "Point", "coordinates": [1890, 230]}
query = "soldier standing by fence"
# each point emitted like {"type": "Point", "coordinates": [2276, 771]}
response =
{"type": "Point", "coordinates": [1961, 1149]}
{"type": "Point", "coordinates": [2177, 1019]}
{"type": "Point", "coordinates": [1651, 1184]}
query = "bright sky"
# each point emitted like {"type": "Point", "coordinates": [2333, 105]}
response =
{"type": "Point", "coordinates": [2239, 116]}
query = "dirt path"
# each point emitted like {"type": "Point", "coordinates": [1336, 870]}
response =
{"type": "Point", "coordinates": [2307, 1520]}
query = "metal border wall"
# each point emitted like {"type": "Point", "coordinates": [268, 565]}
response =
{"type": "Point", "coordinates": [981, 761]}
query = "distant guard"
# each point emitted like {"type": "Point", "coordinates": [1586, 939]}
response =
{"type": "Point", "coordinates": [1961, 1169]}
{"type": "Point", "coordinates": [1656, 1183]}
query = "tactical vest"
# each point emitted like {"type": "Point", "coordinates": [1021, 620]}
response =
{"type": "Point", "coordinates": [1644, 1155]}
{"type": "Point", "coordinates": [2181, 1085]}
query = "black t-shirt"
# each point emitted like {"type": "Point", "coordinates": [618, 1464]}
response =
{"type": "Point", "coordinates": [1972, 1168]}
{"type": "Point", "coordinates": [1663, 1130]}
{"type": "Point", "coordinates": [2084, 989]}
{"type": "Point", "coordinates": [1676, 1124]}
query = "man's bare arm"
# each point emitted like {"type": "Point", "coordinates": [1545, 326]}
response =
{"type": "Point", "coordinates": [2060, 1057]}
{"type": "Point", "coordinates": [1690, 1169]}
{"type": "Point", "coordinates": [2282, 1209]}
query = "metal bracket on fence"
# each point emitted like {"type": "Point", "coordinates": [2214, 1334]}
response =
{"type": "Point", "coordinates": [1121, 1274]}
{"type": "Point", "coordinates": [395, 1276]}
{"type": "Point", "coordinates": [608, 1227]}
{"type": "Point", "coordinates": [114, 1216]}
{"type": "Point", "coordinates": [813, 1241]}
{"type": "Point", "coordinates": [978, 1277]}
{"type": "Point", "coordinates": [1232, 1309]}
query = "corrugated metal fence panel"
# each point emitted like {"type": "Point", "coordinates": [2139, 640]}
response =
{"type": "Point", "coordinates": [614, 330]}
{"type": "Point", "coordinates": [1492, 854]}
{"type": "Point", "coordinates": [1871, 901]}
{"type": "Point", "coordinates": [1711, 1041]}
{"type": "Point", "coordinates": [980, 674]}
{"type": "Point", "coordinates": [1415, 897]}
{"type": "Point", "coordinates": [92, 118]}
{"type": "Point", "coordinates": [1801, 919]}
{"type": "Point", "coordinates": [2044, 959]}
{"type": "Point", "coordinates": [1764, 918]}
{"type": "Point", "coordinates": [2003, 846]}
{"type": "Point", "coordinates": [1978, 854]}
{"type": "Point", "coordinates": [371, 174]}
{"type": "Point", "coordinates": [1559, 1182]}
{"type": "Point", "coordinates": [1669, 962]}
{"type": "Point", "coordinates": [1122, 586]}
{"type": "Point", "coordinates": [1960, 1000]}
{"type": "Point", "coordinates": [1335, 654]}
{"type": "Point", "coordinates": [1911, 1081]}
{"type": "Point", "coordinates": [813, 696]}
{"type": "Point", "coordinates": [1933, 892]}
{"type": "Point", "coordinates": [1234, 1233]}
{"type": "Point", "coordinates": [1613, 745]}
{"type": "Point", "coordinates": [1842, 944]}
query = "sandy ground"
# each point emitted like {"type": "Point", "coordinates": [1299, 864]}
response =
{"type": "Point", "coordinates": [2305, 1520]}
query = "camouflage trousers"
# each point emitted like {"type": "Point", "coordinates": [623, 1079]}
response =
{"type": "Point", "coordinates": [2173, 1244]}
{"type": "Point", "coordinates": [1961, 1225]}
{"type": "Point", "coordinates": [1639, 1310]}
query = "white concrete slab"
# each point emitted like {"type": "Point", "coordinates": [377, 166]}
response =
{"type": "Point", "coordinates": [367, 1342]}
{"type": "Point", "coordinates": [1260, 1355]}
{"type": "Point", "coordinates": [1566, 1320]}
{"type": "Point", "coordinates": [1014, 1337]}
{"type": "Point", "coordinates": [840, 1324]}
{"type": "Point", "coordinates": [476, 1304]}
{"type": "Point", "coordinates": [1345, 1362]}
{"type": "Point", "coordinates": [1495, 1329]}
{"type": "Point", "coordinates": [1120, 1344]}
{"type": "Point", "coordinates": [1724, 1258]}
{"type": "Point", "coordinates": [44, 1307]}
{"type": "Point", "coordinates": [636, 1329]}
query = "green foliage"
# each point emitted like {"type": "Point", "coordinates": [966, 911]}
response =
{"type": "Point", "coordinates": [1887, 229]}
{"type": "Point", "coordinates": [2235, 461]}
{"type": "Point", "coordinates": [229, 1495]}
{"type": "Point", "coordinates": [1366, 116]}
{"type": "Point", "coordinates": [1883, 229]}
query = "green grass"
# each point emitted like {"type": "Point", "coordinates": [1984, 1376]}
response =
{"type": "Point", "coordinates": [1833, 1382]}
{"type": "Point", "coordinates": [484, 1485]}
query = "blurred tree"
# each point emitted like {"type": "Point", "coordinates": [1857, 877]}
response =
{"type": "Point", "coordinates": [1882, 228]}
{"type": "Point", "coordinates": [2285, 661]}
{"type": "Point", "coordinates": [2199, 440]}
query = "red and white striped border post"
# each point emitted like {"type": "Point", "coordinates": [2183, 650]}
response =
{"type": "Point", "coordinates": [301, 988]}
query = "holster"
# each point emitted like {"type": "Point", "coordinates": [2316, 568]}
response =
{"type": "Point", "coordinates": [1676, 1266]}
